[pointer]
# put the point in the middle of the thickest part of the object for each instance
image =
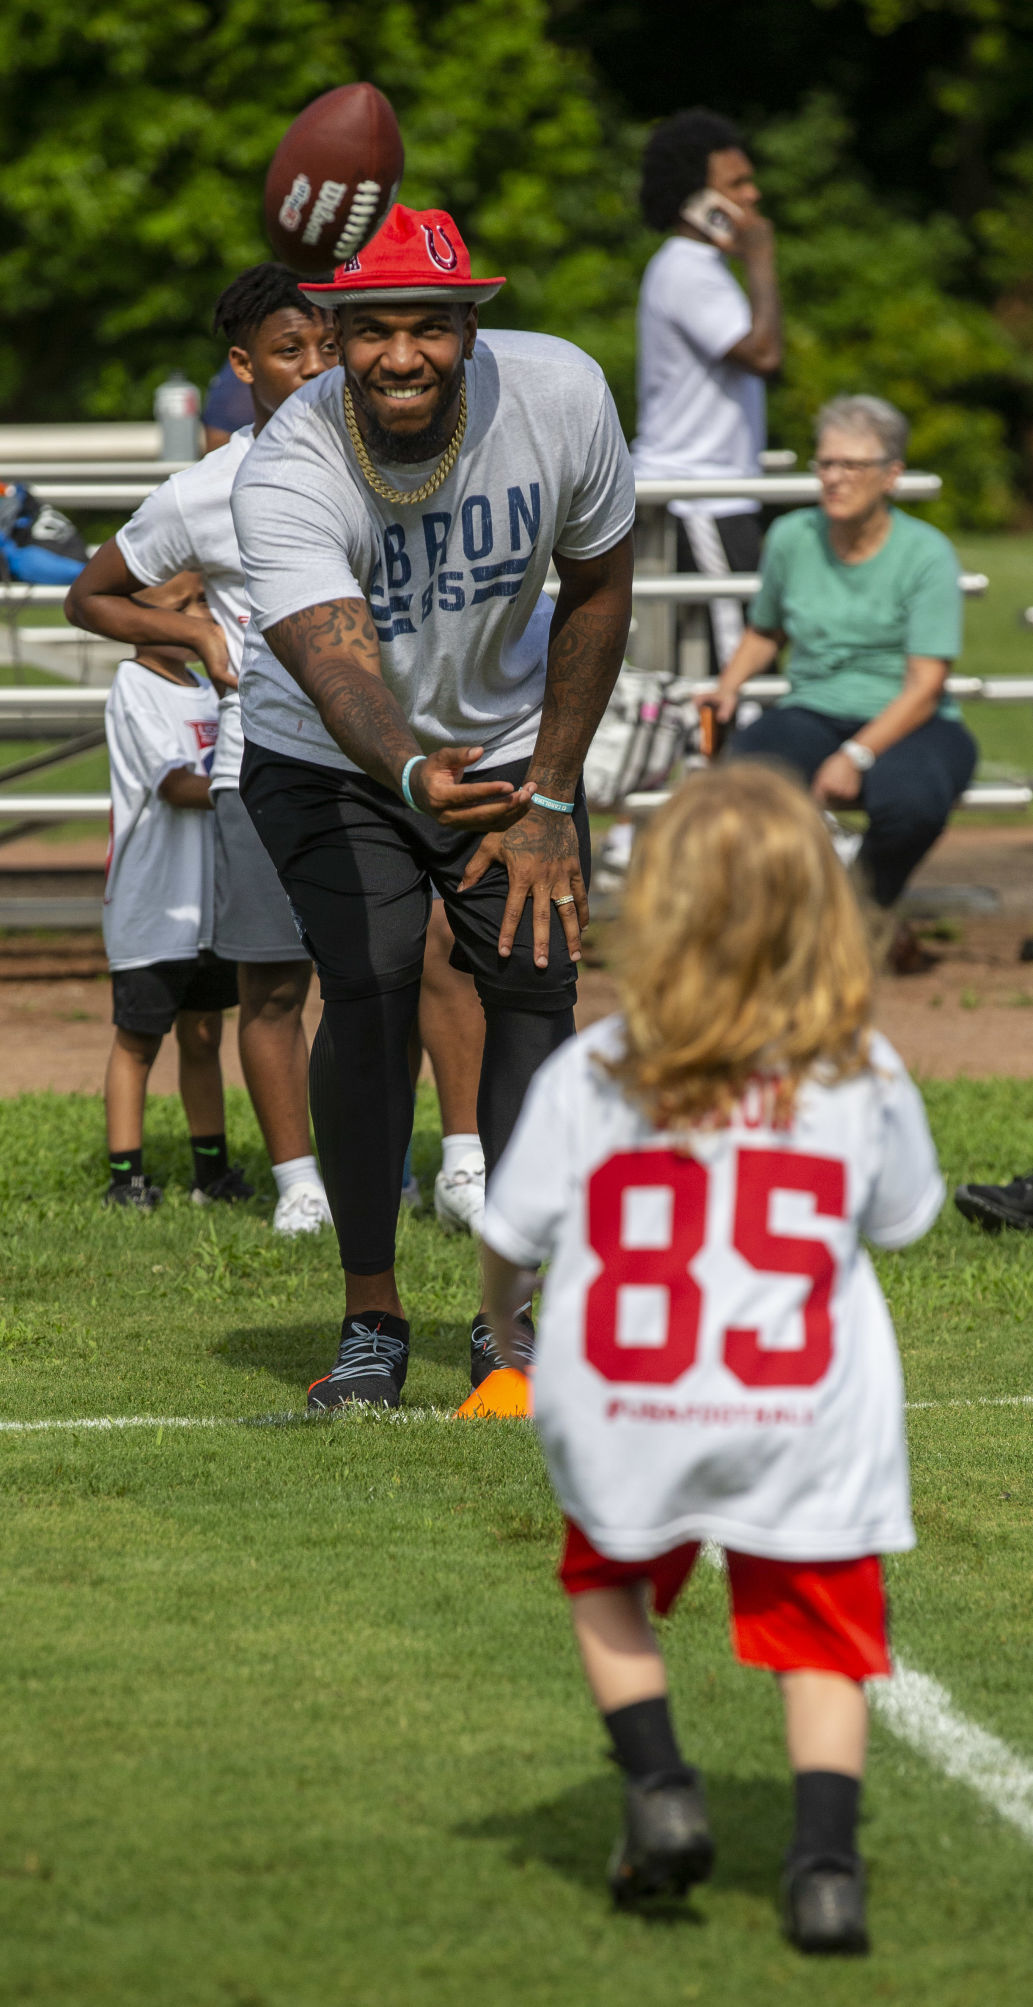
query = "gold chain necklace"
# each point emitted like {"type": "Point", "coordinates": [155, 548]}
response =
{"type": "Point", "coordinates": [400, 496]}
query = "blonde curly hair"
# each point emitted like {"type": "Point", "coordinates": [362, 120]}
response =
{"type": "Point", "coordinates": [742, 951]}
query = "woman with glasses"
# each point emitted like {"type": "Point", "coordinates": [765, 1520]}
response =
{"type": "Point", "coordinates": [870, 601]}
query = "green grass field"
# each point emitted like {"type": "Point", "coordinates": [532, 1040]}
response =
{"type": "Point", "coordinates": [290, 1714]}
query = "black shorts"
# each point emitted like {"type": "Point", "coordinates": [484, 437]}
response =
{"type": "Point", "coordinates": [148, 1000]}
{"type": "Point", "coordinates": [359, 868]}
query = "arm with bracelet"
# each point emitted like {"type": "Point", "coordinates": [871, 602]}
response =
{"type": "Point", "coordinates": [586, 647]}
{"type": "Point", "coordinates": [333, 654]}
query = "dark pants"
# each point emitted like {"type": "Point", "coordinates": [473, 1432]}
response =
{"type": "Point", "coordinates": [357, 867]}
{"type": "Point", "coordinates": [907, 795]}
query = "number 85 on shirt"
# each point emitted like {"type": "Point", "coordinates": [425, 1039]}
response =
{"type": "Point", "coordinates": [653, 1219]}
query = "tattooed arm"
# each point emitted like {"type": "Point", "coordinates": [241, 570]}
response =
{"type": "Point", "coordinates": [333, 654]}
{"type": "Point", "coordinates": [586, 647]}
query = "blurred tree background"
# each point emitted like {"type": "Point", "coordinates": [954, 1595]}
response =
{"type": "Point", "coordinates": [892, 138]}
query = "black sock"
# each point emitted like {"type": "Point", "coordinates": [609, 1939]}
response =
{"type": "Point", "coordinates": [644, 1740]}
{"type": "Point", "coordinates": [125, 1165]}
{"type": "Point", "coordinates": [827, 1803]}
{"type": "Point", "coordinates": [210, 1159]}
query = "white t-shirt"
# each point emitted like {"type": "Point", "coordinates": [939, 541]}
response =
{"type": "Point", "coordinates": [187, 525]}
{"type": "Point", "coordinates": [698, 415]}
{"type": "Point", "coordinates": [454, 584]}
{"type": "Point", "coordinates": [158, 892]}
{"type": "Point", "coordinates": [715, 1359]}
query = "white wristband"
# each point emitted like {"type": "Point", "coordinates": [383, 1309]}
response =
{"type": "Point", "coordinates": [861, 757]}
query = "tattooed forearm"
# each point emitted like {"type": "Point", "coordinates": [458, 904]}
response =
{"type": "Point", "coordinates": [333, 655]}
{"type": "Point", "coordinates": [586, 649]}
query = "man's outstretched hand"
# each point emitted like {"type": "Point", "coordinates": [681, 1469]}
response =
{"type": "Point", "coordinates": [437, 787]}
{"type": "Point", "coordinates": [542, 858]}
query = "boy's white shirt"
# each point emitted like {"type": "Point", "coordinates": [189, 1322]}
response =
{"type": "Point", "coordinates": [158, 889]}
{"type": "Point", "coordinates": [731, 1452]}
{"type": "Point", "coordinates": [187, 525]}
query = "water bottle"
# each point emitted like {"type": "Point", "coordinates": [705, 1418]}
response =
{"type": "Point", "coordinates": [177, 408]}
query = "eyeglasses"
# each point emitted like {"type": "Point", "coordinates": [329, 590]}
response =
{"type": "Point", "coordinates": [851, 467]}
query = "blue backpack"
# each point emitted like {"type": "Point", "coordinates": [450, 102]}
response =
{"type": "Point", "coordinates": [38, 544]}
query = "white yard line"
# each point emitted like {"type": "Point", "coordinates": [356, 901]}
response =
{"type": "Point", "coordinates": [920, 1712]}
{"type": "Point", "coordinates": [395, 1415]}
{"type": "Point", "coordinates": [223, 1421]}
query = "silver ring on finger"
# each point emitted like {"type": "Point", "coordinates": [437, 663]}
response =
{"type": "Point", "coordinates": [566, 899]}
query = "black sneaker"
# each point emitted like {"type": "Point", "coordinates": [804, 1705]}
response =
{"type": "Point", "coordinates": [995, 1206]}
{"type": "Point", "coordinates": [230, 1187]}
{"type": "Point", "coordinates": [372, 1361]}
{"type": "Point", "coordinates": [823, 1904]}
{"type": "Point", "coordinates": [139, 1192]}
{"type": "Point", "coordinates": [666, 1843]}
{"type": "Point", "coordinates": [483, 1357]}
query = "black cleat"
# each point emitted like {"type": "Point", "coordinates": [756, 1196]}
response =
{"type": "Point", "coordinates": [139, 1192]}
{"type": "Point", "coordinates": [483, 1357]}
{"type": "Point", "coordinates": [230, 1187]}
{"type": "Point", "coordinates": [996, 1206]}
{"type": "Point", "coordinates": [666, 1843]}
{"type": "Point", "coordinates": [372, 1361]}
{"type": "Point", "coordinates": [823, 1904]}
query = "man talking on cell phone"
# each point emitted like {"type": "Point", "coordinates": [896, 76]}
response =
{"type": "Point", "coordinates": [706, 345]}
{"type": "Point", "coordinates": [417, 714]}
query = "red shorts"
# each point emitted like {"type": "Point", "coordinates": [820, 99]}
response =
{"type": "Point", "coordinates": [789, 1616]}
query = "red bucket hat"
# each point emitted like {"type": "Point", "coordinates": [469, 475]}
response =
{"type": "Point", "coordinates": [417, 255]}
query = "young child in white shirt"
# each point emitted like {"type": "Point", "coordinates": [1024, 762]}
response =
{"type": "Point", "coordinates": [715, 1360]}
{"type": "Point", "coordinates": [161, 722]}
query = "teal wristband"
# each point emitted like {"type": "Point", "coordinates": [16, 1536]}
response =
{"type": "Point", "coordinates": [546, 801]}
{"type": "Point", "coordinates": [406, 771]}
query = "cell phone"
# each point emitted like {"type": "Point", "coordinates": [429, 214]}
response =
{"type": "Point", "coordinates": [713, 730]}
{"type": "Point", "coordinates": [714, 215]}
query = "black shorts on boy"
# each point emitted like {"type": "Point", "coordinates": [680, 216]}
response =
{"type": "Point", "coordinates": [148, 1000]}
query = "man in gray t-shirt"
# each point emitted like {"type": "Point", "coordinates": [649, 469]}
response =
{"type": "Point", "coordinates": [417, 714]}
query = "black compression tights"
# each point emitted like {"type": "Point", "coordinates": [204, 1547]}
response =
{"type": "Point", "coordinates": [362, 1106]}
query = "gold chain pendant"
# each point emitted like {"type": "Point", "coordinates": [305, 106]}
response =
{"type": "Point", "coordinates": [400, 496]}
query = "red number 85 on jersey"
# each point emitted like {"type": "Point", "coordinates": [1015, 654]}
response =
{"type": "Point", "coordinates": [682, 1184]}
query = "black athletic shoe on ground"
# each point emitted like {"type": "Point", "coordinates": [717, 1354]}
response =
{"type": "Point", "coordinates": [483, 1357]}
{"type": "Point", "coordinates": [996, 1206]}
{"type": "Point", "coordinates": [372, 1361]}
{"type": "Point", "coordinates": [666, 1843]}
{"type": "Point", "coordinates": [230, 1187]}
{"type": "Point", "coordinates": [823, 1904]}
{"type": "Point", "coordinates": [139, 1192]}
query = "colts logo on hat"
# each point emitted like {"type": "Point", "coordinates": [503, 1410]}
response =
{"type": "Point", "coordinates": [450, 260]}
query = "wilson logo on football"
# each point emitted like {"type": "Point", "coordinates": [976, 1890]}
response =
{"type": "Point", "coordinates": [294, 202]}
{"type": "Point", "coordinates": [446, 260]}
{"type": "Point", "coordinates": [324, 210]}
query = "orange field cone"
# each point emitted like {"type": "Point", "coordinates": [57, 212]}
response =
{"type": "Point", "coordinates": [504, 1392]}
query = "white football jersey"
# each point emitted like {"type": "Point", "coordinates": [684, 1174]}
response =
{"type": "Point", "coordinates": [187, 525]}
{"type": "Point", "coordinates": [715, 1359]}
{"type": "Point", "coordinates": [158, 891]}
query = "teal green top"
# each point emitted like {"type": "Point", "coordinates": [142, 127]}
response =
{"type": "Point", "coordinates": [853, 626]}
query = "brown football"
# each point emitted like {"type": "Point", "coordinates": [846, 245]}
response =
{"type": "Point", "coordinates": [333, 179]}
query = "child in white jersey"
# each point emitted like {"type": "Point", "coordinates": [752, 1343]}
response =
{"type": "Point", "coordinates": [715, 1360]}
{"type": "Point", "coordinates": [161, 722]}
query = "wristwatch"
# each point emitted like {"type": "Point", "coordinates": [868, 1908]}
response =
{"type": "Point", "coordinates": [861, 757]}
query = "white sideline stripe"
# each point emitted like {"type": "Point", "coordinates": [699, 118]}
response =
{"type": "Point", "coordinates": [366, 1414]}
{"type": "Point", "coordinates": [981, 1401]}
{"type": "Point", "coordinates": [395, 1415]}
{"type": "Point", "coordinates": [920, 1712]}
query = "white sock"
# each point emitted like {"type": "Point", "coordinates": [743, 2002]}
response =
{"type": "Point", "coordinates": [461, 1153]}
{"type": "Point", "coordinates": [296, 1171]}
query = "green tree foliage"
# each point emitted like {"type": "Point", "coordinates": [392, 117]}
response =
{"type": "Point", "coordinates": [134, 146]}
{"type": "Point", "coordinates": [872, 304]}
